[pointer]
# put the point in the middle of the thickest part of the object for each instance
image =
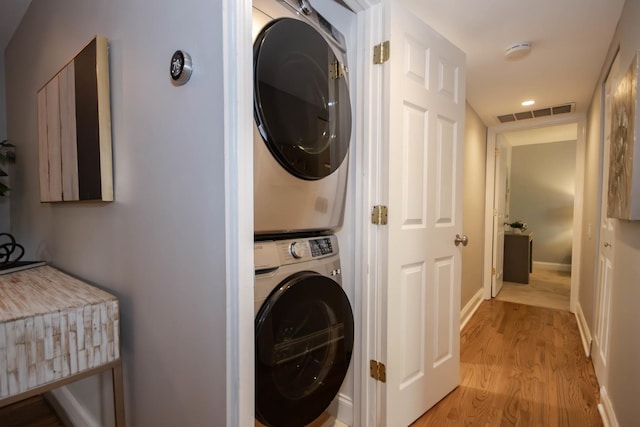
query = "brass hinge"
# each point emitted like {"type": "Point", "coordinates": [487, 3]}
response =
{"type": "Point", "coordinates": [379, 215]}
{"type": "Point", "coordinates": [336, 70]}
{"type": "Point", "coordinates": [497, 152]}
{"type": "Point", "coordinates": [381, 53]}
{"type": "Point", "coordinates": [493, 271]}
{"type": "Point", "coordinates": [378, 371]}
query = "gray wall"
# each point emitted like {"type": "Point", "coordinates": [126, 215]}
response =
{"type": "Point", "coordinates": [475, 149]}
{"type": "Point", "coordinates": [624, 346]}
{"type": "Point", "coordinates": [542, 190]}
{"type": "Point", "coordinates": [160, 247]}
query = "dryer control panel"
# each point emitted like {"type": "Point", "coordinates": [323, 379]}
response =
{"type": "Point", "coordinates": [275, 253]}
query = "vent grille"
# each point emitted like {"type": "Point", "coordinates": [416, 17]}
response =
{"type": "Point", "coordinates": [542, 112]}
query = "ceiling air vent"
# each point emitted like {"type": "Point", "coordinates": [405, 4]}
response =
{"type": "Point", "coordinates": [542, 112]}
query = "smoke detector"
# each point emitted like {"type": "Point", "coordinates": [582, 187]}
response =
{"type": "Point", "coordinates": [517, 50]}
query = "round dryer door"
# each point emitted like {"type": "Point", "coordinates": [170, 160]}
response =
{"type": "Point", "coordinates": [304, 341]}
{"type": "Point", "coordinates": [301, 99]}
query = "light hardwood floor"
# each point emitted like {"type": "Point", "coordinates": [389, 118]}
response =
{"type": "Point", "coordinates": [32, 412]}
{"type": "Point", "coordinates": [546, 288]}
{"type": "Point", "coordinates": [520, 366]}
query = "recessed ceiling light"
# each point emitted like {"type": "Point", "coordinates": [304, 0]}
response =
{"type": "Point", "coordinates": [528, 102]}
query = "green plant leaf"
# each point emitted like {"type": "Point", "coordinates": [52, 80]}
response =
{"type": "Point", "coordinates": [10, 156]}
{"type": "Point", "coordinates": [3, 189]}
{"type": "Point", "coordinates": [7, 155]}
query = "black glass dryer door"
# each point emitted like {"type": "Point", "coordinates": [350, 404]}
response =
{"type": "Point", "coordinates": [304, 341]}
{"type": "Point", "coordinates": [301, 99]}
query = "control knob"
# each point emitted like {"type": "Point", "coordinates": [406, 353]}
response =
{"type": "Point", "coordinates": [296, 250]}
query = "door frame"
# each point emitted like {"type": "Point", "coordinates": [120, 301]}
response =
{"type": "Point", "coordinates": [238, 141]}
{"type": "Point", "coordinates": [578, 200]}
{"type": "Point", "coordinates": [237, 61]}
{"type": "Point", "coordinates": [369, 150]}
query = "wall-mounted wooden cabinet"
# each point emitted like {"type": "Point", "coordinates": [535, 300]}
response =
{"type": "Point", "coordinates": [74, 127]}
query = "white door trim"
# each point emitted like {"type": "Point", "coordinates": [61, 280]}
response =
{"type": "Point", "coordinates": [238, 203]}
{"type": "Point", "coordinates": [238, 107]}
{"type": "Point", "coordinates": [367, 146]}
{"type": "Point", "coordinates": [576, 250]}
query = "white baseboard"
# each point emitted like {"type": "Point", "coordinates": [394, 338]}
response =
{"type": "Point", "coordinates": [551, 266]}
{"type": "Point", "coordinates": [75, 413]}
{"type": "Point", "coordinates": [345, 411]}
{"type": "Point", "coordinates": [606, 410]}
{"type": "Point", "coordinates": [585, 334]}
{"type": "Point", "coordinates": [471, 307]}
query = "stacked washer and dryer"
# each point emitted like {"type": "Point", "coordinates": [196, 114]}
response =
{"type": "Point", "coordinates": [303, 318]}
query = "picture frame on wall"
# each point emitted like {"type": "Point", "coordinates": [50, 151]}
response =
{"type": "Point", "coordinates": [74, 129]}
{"type": "Point", "coordinates": [624, 167]}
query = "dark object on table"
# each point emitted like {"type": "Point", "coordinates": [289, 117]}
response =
{"type": "Point", "coordinates": [10, 251]}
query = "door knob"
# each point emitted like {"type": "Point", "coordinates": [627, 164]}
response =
{"type": "Point", "coordinates": [464, 240]}
{"type": "Point", "coordinates": [607, 245]}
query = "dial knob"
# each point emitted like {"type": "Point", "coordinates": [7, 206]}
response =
{"type": "Point", "coordinates": [305, 7]}
{"type": "Point", "coordinates": [296, 250]}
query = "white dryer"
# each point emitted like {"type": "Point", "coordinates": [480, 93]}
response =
{"type": "Point", "coordinates": [303, 330]}
{"type": "Point", "coordinates": [302, 111]}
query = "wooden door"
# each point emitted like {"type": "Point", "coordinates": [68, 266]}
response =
{"type": "Point", "coordinates": [425, 78]}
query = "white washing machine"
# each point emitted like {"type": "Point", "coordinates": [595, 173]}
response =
{"type": "Point", "coordinates": [303, 330]}
{"type": "Point", "coordinates": [302, 126]}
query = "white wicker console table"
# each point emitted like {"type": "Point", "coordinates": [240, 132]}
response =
{"type": "Point", "coordinates": [56, 329]}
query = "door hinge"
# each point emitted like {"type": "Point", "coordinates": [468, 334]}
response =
{"type": "Point", "coordinates": [378, 371]}
{"type": "Point", "coordinates": [381, 53]}
{"type": "Point", "coordinates": [379, 215]}
{"type": "Point", "coordinates": [336, 70]}
{"type": "Point", "coordinates": [493, 271]}
{"type": "Point", "coordinates": [497, 152]}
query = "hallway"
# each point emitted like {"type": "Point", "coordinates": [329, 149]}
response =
{"type": "Point", "coordinates": [520, 365]}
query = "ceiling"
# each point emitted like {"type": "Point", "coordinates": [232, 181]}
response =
{"type": "Point", "coordinates": [569, 39]}
{"type": "Point", "coordinates": [11, 12]}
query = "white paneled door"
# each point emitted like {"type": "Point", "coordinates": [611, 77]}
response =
{"type": "Point", "coordinates": [426, 106]}
{"type": "Point", "coordinates": [600, 354]}
{"type": "Point", "coordinates": [499, 209]}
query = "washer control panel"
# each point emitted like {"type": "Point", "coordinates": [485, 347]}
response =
{"type": "Point", "coordinates": [321, 246]}
{"type": "Point", "coordinates": [274, 253]}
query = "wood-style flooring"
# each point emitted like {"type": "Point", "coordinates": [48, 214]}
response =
{"type": "Point", "coordinates": [546, 288]}
{"type": "Point", "coordinates": [32, 412]}
{"type": "Point", "coordinates": [520, 366]}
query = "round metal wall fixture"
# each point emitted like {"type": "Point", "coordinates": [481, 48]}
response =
{"type": "Point", "coordinates": [180, 68]}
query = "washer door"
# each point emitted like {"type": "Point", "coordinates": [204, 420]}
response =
{"type": "Point", "coordinates": [304, 341]}
{"type": "Point", "coordinates": [301, 101]}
